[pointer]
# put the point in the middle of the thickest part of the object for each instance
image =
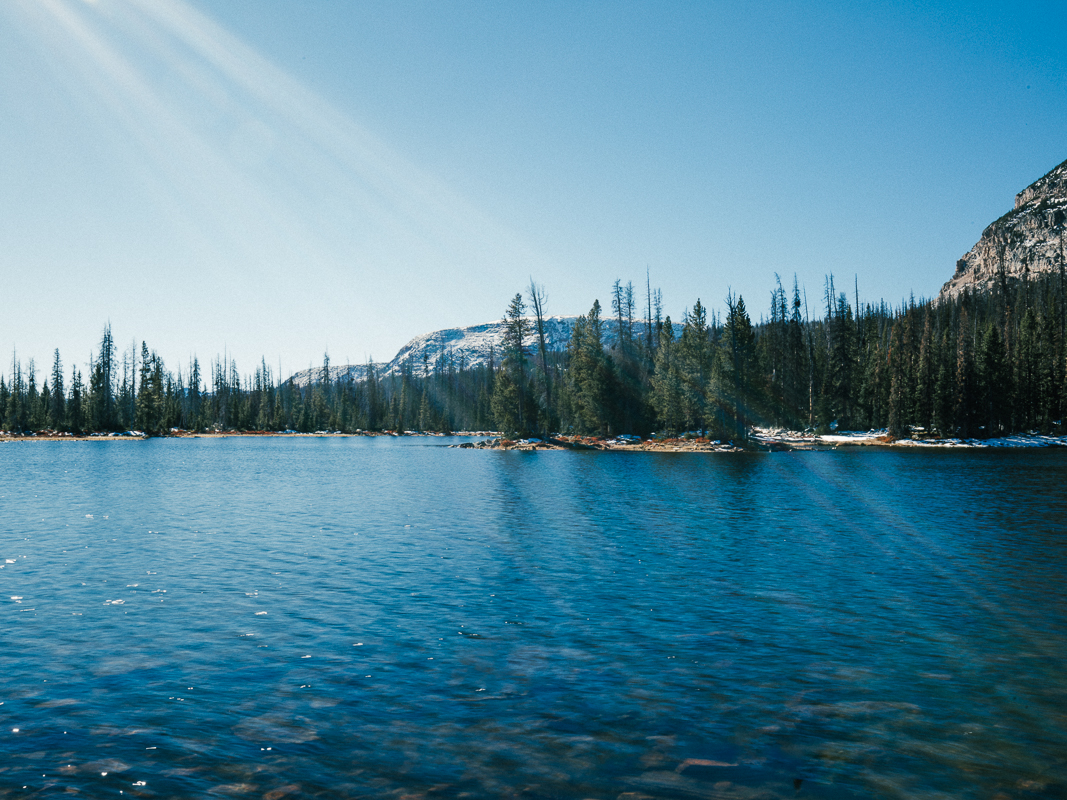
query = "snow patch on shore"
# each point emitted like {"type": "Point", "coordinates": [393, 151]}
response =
{"type": "Point", "coordinates": [1017, 440]}
{"type": "Point", "coordinates": [879, 437]}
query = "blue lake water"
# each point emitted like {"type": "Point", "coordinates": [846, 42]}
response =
{"type": "Point", "coordinates": [374, 617]}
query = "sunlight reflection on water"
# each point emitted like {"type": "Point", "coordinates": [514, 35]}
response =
{"type": "Point", "coordinates": [357, 617]}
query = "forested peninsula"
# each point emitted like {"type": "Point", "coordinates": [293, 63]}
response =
{"type": "Point", "coordinates": [977, 364]}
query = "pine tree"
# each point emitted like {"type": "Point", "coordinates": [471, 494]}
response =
{"type": "Point", "coordinates": [34, 417]}
{"type": "Point", "coordinates": [1028, 370]}
{"type": "Point", "coordinates": [516, 330]}
{"type": "Point", "coordinates": [192, 418]}
{"type": "Point", "coordinates": [75, 408]}
{"type": "Point", "coordinates": [840, 362]}
{"type": "Point", "coordinates": [738, 354]}
{"type": "Point", "coordinates": [102, 415]}
{"type": "Point", "coordinates": [587, 404]}
{"type": "Point", "coordinates": [796, 362]}
{"type": "Point", "coordinates": [965, 400]}
{"type": "Point", "coordinates": [994, 377]}
{"type": "Point", "coordinates": [14, 413]}
{"type": "Point", "coordinates": [506, 403]}
{"type": "Point", "coordinates": [898, 392]}
{"type": "Point", "coordinates": [146, 402]}
{"type": "Point", "coordinates": [426, 415]}
{"type": "Point", "coordinates": [925, 376]}
{"type": "Point", "coordinates": [944, 387]}
{"type": "Point", "coordinates": [666, 382]}
{"type": "Point", "coordinates": [157, 387]}
{"type": "Point", "coordinates": [57, 411]}
{"type": "Point", "coordinates": [772, 348]}
{"type": "Point", "coordinates": [547, 401]}
{"type": "Point", "coordinates": [694, 370]}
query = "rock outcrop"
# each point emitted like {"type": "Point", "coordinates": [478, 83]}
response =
{"type": "Point", "coordinates": [1026, 241]}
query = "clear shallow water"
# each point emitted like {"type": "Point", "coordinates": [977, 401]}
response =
{"type": "Point", "coordinates": [379, 617]}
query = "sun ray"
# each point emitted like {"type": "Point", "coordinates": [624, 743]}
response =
{"type": "Point", "coordinates": [262, 168]}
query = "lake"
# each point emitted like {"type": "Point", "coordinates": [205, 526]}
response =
{"type": "Point", "coordinates": [380, 617]}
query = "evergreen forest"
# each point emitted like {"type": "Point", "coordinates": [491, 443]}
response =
{"type": "Point", "coordinates": [980, 365]}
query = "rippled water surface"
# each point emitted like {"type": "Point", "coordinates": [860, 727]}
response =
{"type": "Point", "coordinates": [379, 617]}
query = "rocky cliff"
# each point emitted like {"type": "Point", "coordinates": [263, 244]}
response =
{"type": "Point", "coordinates": [1028, 239]}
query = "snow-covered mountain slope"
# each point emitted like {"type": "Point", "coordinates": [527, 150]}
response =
{"type": "Point", "coordinates": [474, 345]}
{"type": "Point", "coordinates": [467, 347]}
{"type": "Point", "coordinates": [355, 372]}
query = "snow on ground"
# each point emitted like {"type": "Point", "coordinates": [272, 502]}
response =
{"type": "Point", "coordinates": [768, 435]}
{"type": "Point", "coordinates": [851, 437]}
{"type": "Point", "coordinates": [1016, 440]}
{"type": "Point", "coordinates": [802, 438]}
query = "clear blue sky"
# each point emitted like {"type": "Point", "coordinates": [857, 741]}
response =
{"type": "Point", "coordinates": [279, 179]}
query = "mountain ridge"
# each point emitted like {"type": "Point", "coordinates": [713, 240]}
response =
{"type": "Point", "coordinates": [1026, 240]}
{"type": "Point", "coordinates": [468, 346]}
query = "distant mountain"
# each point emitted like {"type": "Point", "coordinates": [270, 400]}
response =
{"type": "Point", "coordinates": [468, 347]}
{"type": "Point", "coordinates": [471, 346]}
{"type": "Point", "coordinates": [1025, 241]}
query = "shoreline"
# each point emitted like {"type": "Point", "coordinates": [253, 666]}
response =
{"type": "Point", "coordinates": [137, 436]}
{"type": "Point", "coordinates": [767, 440]}
{"type": "Point", "coordinates": [762, 440]}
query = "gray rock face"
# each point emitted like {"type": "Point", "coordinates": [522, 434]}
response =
{"type": "Point", "coordinates": [1027, 240]}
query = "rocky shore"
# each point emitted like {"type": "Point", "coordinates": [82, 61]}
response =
{"type": "Point", "coordinates": [762, 439]}
{"type": "Point", "coordinates": [622, 443]}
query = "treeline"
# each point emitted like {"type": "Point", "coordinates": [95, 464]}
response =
{"type": "Point", "coordinates": [979, 365]}
{"type": "Point", "coordinates": [135, 391]}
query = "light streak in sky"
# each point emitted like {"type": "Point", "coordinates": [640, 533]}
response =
{"type": "Point", "coordinates": [256, 168]}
